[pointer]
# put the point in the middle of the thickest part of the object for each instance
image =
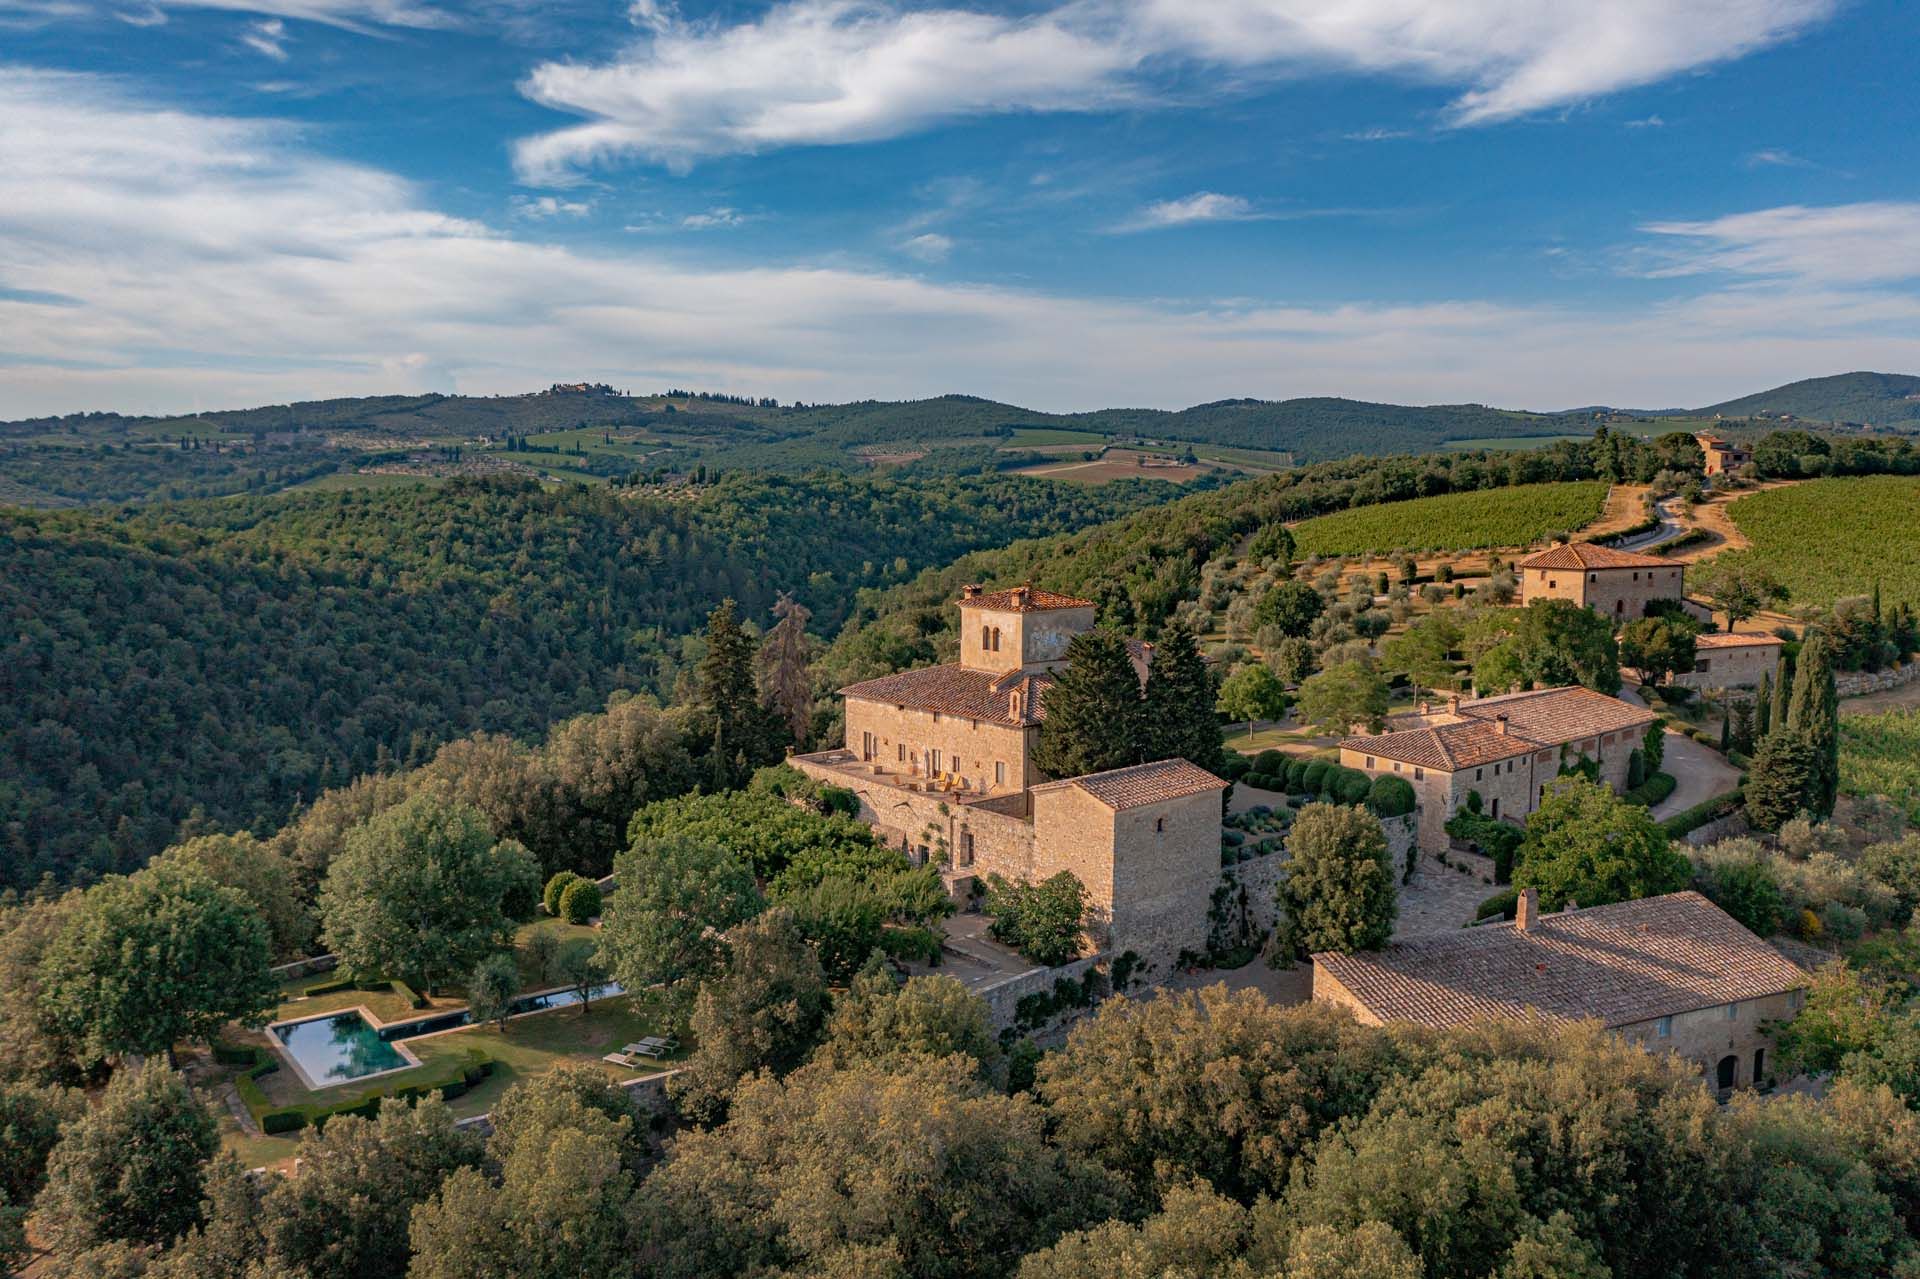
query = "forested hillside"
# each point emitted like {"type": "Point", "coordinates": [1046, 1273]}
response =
{"type": "Point", "coordinates": [1874, 399]}
{"type": "Point", "coordinates": [241, 655]}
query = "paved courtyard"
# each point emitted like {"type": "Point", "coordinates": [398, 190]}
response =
{"type": "Point", "coordinates": [1439, 900]}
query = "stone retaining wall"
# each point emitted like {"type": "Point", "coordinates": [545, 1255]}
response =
{"type": "Point", "coordinates": [648, 1094]}
{"type": "Point", "coordinates": [307, 967]}
{"type": "Point", "coordinates": [1860, 683]}
{"type": "Point", "coordinates": [1003, 996]}
{"type": "Point", "coordinates": [1734, 823]}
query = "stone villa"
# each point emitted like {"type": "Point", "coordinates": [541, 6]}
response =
{"type": "Point", "coordinates": [1507, 747]}
{"type": "Point", "coordinates": [941, 760]}
{"type": "Point", "coordinates": [1720, 457]}
{"type": "Point", "coordinates": [1619, 584]}
{"type": "Point", "coordinates": [1673, 973]}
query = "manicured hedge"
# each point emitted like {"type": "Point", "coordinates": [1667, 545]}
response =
{"type": "Point", "coordinates": [1235, 766]}
{"type": "Point", "coordinates": [1390, 796]}
{"type": "Point", "coordinates": [333, 987]}
{"type": "Point", "coordinates": [1681, 824]}
{"type": "Point", "coordinates": [1506, 902]}
{"type": "Point", "coordinates": [580, 902]}
{"type": "Point", "coordinates": [452, 1080]}
{"type": "Point", "coordinates": [1269, 761]}
{"type": "Point", "coordinates": [556, 888]}
{"type": "Point", "coordinates": [1348, 785]}
{"type": "Point", "coordinates": [1297, 775]}
{"type": "Point", "coordinates": [1653, 790]}
{"type": "Point", "coordinates": [1314, 779]}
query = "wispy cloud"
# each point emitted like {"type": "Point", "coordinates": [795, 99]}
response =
{"type": "Point", "coordinates": [352, 14]}
{"type": "Point", "coordinates": [714, 219]}
{"type": "Point", "coordinates": [1378, 134]}
{"type": "Point", "coordinates": [313, 277]}
{"type": "Point", "coordinates": [1776, 158]}
{"type": "Point", "coordinates": [825, 72]}
{"type": "Point", "coordinates": [268, 38]}
{"type": "Point", "coordinates": [1201, 206]}
{"type": "Point", "coordinates": [540, 208]}
{"type": "Point", "coordinates": [930, 247]}
{"type": "Point", "coordinates": [1647, 122]}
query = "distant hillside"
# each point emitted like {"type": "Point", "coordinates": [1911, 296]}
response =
{"type": "Point", "coordinates": [1872, 399]}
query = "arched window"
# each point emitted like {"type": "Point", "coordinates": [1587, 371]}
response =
{"type": "Point", "coordinates": [986, 639]}
{"type": "Point", "coordinates": [996, 639]}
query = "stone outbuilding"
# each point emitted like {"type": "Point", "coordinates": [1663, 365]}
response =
{"type": "Point", "coordinates": [1723, 660]}
{"type": "Point", "coordinates": [1618, 584]}
{"type": "Point", "coordinates": [1673, 973]}
{"type": "Point", "coordinates": [1507, 748]}
{"type": "Point", "coordinates": [1719, 457]}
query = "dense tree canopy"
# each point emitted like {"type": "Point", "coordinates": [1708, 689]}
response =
{"type": "Point", "coordinates": [1338, 888]}
{"type": "Point", "coordinates": [1585, 844]}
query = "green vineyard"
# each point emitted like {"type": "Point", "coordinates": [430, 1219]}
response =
{"type": "Point", "coordinates": [1456, 521]}
{"type": "Point", "coordinates": [1880, 755]}
{"type": "Point", "coordinates": [1829, 538]}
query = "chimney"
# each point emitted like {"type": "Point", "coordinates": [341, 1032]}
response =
{"type": "Point", "coordinates": [1529, 913]}
{"type": "Point", "coordinates": [1020, 595]}
{"type": "Point", "coordinates": [1500, 723]}
{"type": "Point", "coordinates": [970, 591]}
{"type": "Point", "coordinates": [1016, 703]}
{"type": "Point", "coordinates": [1453, 703]}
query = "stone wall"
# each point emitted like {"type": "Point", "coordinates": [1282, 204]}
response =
{"type": "Point", "coordinates": [305, 967]}
{"type": "Point", "coordinates": [979, 839]}
{"type": "Point", "coordinates": [1732, 666]}
{"type": "Point", "coordinates": [1860, 683]}
{"type": "Point", "coordinates": [991, 757]}
{"type": "Point", "coordinates": [648, 1094]}
{"type": "Point", "coordinates": [1620, 593]}
{"type": "Point", "coordinates": [1706, 1036]}
{"type": "Point", "coordinates": [1259, 879]}
{"type": "Point", "coordinates": [1719, 828]}
{"type": "Point", "coordinates": [1003, 996]}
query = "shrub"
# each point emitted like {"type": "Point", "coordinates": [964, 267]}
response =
{"type": "Point", "coordinates": [1683, 823]}
{"type": "Point", "coordinates": [1235, 766]}
{"type": "Point", "coordinates": [1390, 796]}
{"type": "Point", "coordinates": [838, 799]}
{"type": "Point", "coordinates": [1636, 770]}
{"type": "Point", "coordinates": [1314, 779]}
{"type": "Point", "coordinates": [556, 888]}
{"type": "Point", "coordinates": [1653, 790]}
{"type": "Point", "coordinates": [580, 902]}
{"type": "Point", "coordinates": [1269, 761]}
{"type": "Point", "coordinates": [1505, 903]}
{"type": "Point", "coordinates": [1297, 776]}
{"type": "Point", "coordinates": [1350, 785]}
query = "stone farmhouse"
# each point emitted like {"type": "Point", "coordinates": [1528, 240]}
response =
{"type": "Point", "coordinates": [1673, 973]}
{"type": "Point", "coordinates": [1720, 456]}
{"type": "Point", "coordinates": [941, 759]}
{"type": "Point", "coordinates": [1507, 747]}
{"type": "Point", "coordinates": [1723, 660]}
{"type": "Point", "coordinates": [1619, 584]}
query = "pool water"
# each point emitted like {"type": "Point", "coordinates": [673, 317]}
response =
{"type": "Point", "coordinates": [341, 1047]}
{"type": "Point", "coordinates": [344, 1046]}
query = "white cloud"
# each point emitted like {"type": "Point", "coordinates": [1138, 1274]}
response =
{"type": "Point", "coordinates": [1201, 206]}
{"type": "Point", "coordinates": [540, 208]}
{"type": "Point", "coordinates": [713, 219]}
{"type": "Point", "coordinates": [354, 14]}
{"type": "Point", "coordinates": [930, 247]}
{"type": "Point", "coordinates": [1775, 157]}
{"type": "Point", "coordinates": [1647, 122]}
{"type": "Point", "coordinates": [156, 259]}
{"type": "Point", "coordinates": [821, 72]}
{"type": "Point", "coordinates": [1844, 244]}
{"type": "Point", "coordinates": [268, 38]}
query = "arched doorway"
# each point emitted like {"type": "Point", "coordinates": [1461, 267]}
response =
{"type": "Point", "coordinates": [1759, 1066]}
{"type": "Point", "coordinates": [1724, 1075]}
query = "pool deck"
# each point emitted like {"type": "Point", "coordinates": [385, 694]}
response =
{"type": "Point", "coordinates": [280, 1045]}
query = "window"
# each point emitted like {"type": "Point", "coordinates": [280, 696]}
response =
{"type": "Point", "coordinates": [986, 638]}
{"type": "Point", "coordinates": [996, 639]}
{"type": "Point", "coordinates": [1478, 773]}
{"type": "Point", "coordinates": [1664, 1028]}
{"type": "Point", "coordinates": [999, 772]}
{"type": "Point", "coordinates": [1396, 765]}
{"type": "Point", "coordinates": [1160, 824]}
{"type": "Point", "coordinates": [1703, 665]}
{"type": "Point", "coordinates": [933, 760]}
{"type": "Point", "coordinates": [1369, 761]}
{"type": "Point", "coordinates": [966, 848]}
{"type": "Point", "coordinates": [902, 749]}
{"type": "Point", "coordinates": [1419, 774]}
{"type": "Point", "coordinates": [1733, 1012]}
{"type": "Point", "coordinates": [1552, 583]}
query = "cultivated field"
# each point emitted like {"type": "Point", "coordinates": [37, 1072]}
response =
{"type": "Point", "coordinates": [1455, 521]}
{"type": "Point", "coordinates": [1880, 755]}
{"type": "Point", "coordinates": [1115, 464]}
{"type": "Point", "coordinates": [1829, 538]}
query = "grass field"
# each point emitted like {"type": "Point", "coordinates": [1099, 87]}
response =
{"type": "Point", "coordinates": [1027, 437]}
{"type": "Point", "coordinates": [1830, 538]}
{"type": "Point", "coordinates": [1455, 521]}
{"type": "Point", "coordinates": [1117, 464]}
{"type": "Point", "coordinates": [342, 480]}
{"type": "Point", "coordinates": [1507, 442]}
{"type": "Point", "coordinates": [1880, 755]}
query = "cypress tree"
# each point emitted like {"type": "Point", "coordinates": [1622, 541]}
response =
{"type": "Point", "coordinates": [728, 694]}
{"type": "Point", "coordinates": [1815, 715]}
{"type": "Point", "coordinates": [1093, 710]}
{"type": "Point", "coordinates": [1763, 709]}
{"type": "Point", "coordinates": [1179, 721]}
{"type": "Point", "coordinates": [1777, 710]}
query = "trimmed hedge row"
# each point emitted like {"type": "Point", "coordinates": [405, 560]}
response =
{"type": "Point", "coordinates": [1682, 824]}
{"type": "Point", "coordinates": [1653, 790]}
{"type": "Point", "coordinates": [453, 1080]}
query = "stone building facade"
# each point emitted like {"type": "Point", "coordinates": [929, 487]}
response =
{"type": "Point", "coordinates": [1618, 584]}
{"type": "Point", "coordinates": [1508, 748]}
{"type": "Point", "coordinates": [941, 760]}
{"type": "Point", "coordinates": [1719, 457]}
{"type": "Point", "coordinates": [1724, 660]}
{"type": "Point", "coordinates": [1672, 974]}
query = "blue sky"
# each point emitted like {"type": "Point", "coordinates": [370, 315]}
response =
{"type": "Point", "coordinates": [1536, 203]}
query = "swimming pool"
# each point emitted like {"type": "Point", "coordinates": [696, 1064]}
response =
{"type": "Point", "coordinates": [334, 1048]}
{"type": "Point", "coordinates": [339, 1047]}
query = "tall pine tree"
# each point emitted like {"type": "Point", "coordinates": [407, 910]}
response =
{"type": "Point", "coordinates": [741, 738]}
{"type": "Point", "coordinates": [783, 667]}
{"type": "Point", "coordinates": [1094, 711]}
{"type": "Point", "coordinates": [1179, 720]}
{"type": "Point", "coordinates": [1814, 714]}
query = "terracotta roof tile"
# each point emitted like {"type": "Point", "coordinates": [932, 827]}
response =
{"type": "Point", "coordinates": [1621, 964]}
{"type": "Point", "coordinates": [1720, 639]}
{"type": "Point", "coordinates": [1445, 747]}
{"type": "Point", "coordinates": [1584, 555]}
{"type": "Point", "coordinates": [956, 690]}
{"type": "Point", "coordinates": [1124, 788]}
{"type": "Point", "coordinates": [1557, 715]}
{"type": "Point", "coordinates": [1021, 599]}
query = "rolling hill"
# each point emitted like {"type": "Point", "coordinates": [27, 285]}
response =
{"type": "Point", "coordinates": [1871, 399]}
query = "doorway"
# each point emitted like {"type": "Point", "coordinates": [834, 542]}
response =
{"type": "Point", "coordinates": [1724, 1075]}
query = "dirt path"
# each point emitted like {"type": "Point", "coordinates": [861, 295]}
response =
{"type": "Point", "coordinates": [1712, 518]}
{"type": "Point", "coordinates": [1624, 508]}
{"type": "Point", "coordinates": [1906, 697]}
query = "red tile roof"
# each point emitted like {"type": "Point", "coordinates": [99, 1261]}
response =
{"type": "Point", "coordinates": [1585, 555]}
{"type": "Point", "coordinates": [957, 690]}
{"type": "Point", "coordinates": [1130, 787]}
{"type": "Point", "coordinates": [1020, 599]}
{"type": "Point", "coordinates": [1720, 639]}
{"type": "Point", "coordinates": [1622, 964]}
{"type": "Point", "coordinates": [1445, 747]}
{"type": "Point", "coordinates": [1556, 715]}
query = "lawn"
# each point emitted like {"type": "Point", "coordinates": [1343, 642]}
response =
{"type": "Point", "coordinates": [1517, 516]}
{"type": "Point", "coordinates": [1829, 538]}
{"type": "Point", "coordinates": [1880, 755]}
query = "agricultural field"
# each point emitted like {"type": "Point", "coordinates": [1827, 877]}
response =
{"type": "Point", "coordinates": [1880, 755]}
{"type": "Point", "coordinates": [1115, 464]}
{"type": "Point", "coordinates": [1455, 521]}
{"type": "Point", "coordinates": [1830, 538]}
{"type": "Point", "coordinates": [1027, 437]}
{"type": "Point", "coordinates": [1508, 442]}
